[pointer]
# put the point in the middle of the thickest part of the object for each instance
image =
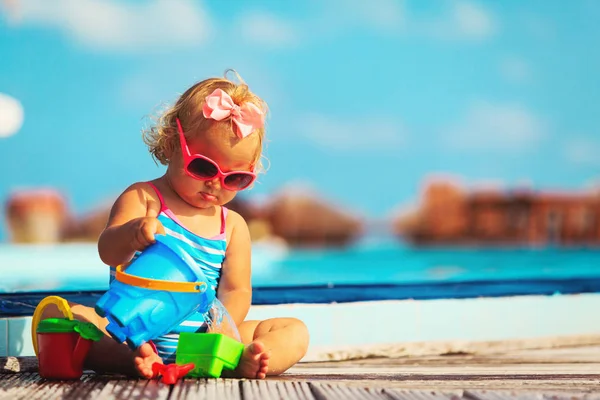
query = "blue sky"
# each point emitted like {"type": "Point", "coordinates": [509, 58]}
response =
{"type": "Point", "coordinates": [367, 98]}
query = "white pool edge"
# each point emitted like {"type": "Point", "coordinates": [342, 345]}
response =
{"type": "Point", "coordinates": [347, 329]}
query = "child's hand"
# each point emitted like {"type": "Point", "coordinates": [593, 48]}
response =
{"type": "Point", "coordinates": [143, 230]}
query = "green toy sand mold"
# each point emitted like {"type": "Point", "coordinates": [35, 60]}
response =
{"type": "Point", "coordinates": [210, 353]}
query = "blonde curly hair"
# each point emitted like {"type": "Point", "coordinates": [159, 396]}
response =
{"type": "Point", "coordinates": [162, 137]}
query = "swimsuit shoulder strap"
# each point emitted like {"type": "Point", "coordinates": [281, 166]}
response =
{"type": "Point", "coordinates": [163, 206]}
{"type": "Point", "coordinates": [223, 218]}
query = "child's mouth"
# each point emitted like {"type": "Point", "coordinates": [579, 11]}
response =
{"type": "Point", "coordinates": [208, 196]}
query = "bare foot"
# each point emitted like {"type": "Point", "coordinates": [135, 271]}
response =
{"type": "Point", "coordinates": [254, 362]}
{"type": "Point", "coordinates": [144, 358]}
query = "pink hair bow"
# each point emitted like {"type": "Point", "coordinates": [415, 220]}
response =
{"type": "Point", "coordinates": [247, 117]}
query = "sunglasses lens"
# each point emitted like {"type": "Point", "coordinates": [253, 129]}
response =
{"type": "Point", "coordinates": [239, 181]}
{"type": "Point", "coordinates": [202, 168]}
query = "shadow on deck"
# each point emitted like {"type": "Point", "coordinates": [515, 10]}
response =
{"type": "Point", "coordinates": [560, 373]}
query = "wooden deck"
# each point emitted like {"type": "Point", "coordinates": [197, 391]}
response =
{"type": "Point", "coordinates": [561, 373]}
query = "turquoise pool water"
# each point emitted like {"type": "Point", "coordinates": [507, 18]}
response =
{"type": "Point", "coordinates": [368, 271]}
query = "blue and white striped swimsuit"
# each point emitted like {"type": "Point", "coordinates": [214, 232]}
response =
{"type": "Point", "coordinates": [208, 254]}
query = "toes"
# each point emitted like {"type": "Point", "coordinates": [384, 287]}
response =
{"type": "Point", "coordinates": [146, 350]}
{"type": "Point", "coordinates": [144, 372]}
{"type": "Point", "coordinates": [256, 348]}
{"type": "Point", "coordinates": [266, 355]}
{"type": "Point", "coordinates": [147, 374]}
{"type": "Point", "coordinates": [144, 360]}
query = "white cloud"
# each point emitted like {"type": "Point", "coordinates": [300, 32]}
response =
{"type": "Point", "coordinates": [379, 15]}
{"type": "Point", "coordinates": [472, 19]}
{"type": "Point", "coordinates": [515, 70]}
{"type": "Point", "coordinates": [267, 29]}
{"type": "Point", "coordinates": [489, 127]}
{"type": "Point", "coordinates": [331, 18]}
{"type": "Point", "coordinates": [11, 115]}
{"type": "Point", "coordinates": [113, 25]}
{"type": "Point", "coordinates": [583, 151]}
{"type": "Point", "coordinates": [347, 135]}
{"type": "Point", "coordinates": [465, 20]}
{"type": "Point", "coordinates": [461, 20]}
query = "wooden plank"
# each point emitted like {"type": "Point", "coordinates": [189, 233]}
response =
{"type": "Point", "coordinates": [33, 387]}
{"type": "Point", "coordinates": [20, 386]}
{"type": "Point", "coordinates": [571, 396]}
{"type": "Point", "coordinates": [29, 386]}
{"type": "Point", "coordinates": [7, 383]}
{"type": "Point", "coordinates": [151, 389]}
{"type": "Point", "coordinates": [218, 388]}
{"type": "Point", "coordinates": [398, 394]}
{"type": "Point", "coordinates": [117, 389]}
{"type": "Point", "coordinates": [252, 391]}
{"type": "Point", "coordinates": [588, 354]}
{"type": "Point", "coordinates": [54, 389]}
{"type": "Point", "coordinates": [191, 388]}
{"type": "Point", "coordinates": [87, 388]}
{"type": "Point", "coordinates": [293, 390]}
{"type": "Point", "coordinates": [569, 372]}
{"type": "Point", "coordinates": [575, 354]}
{"type": "Point", "coordinates": [341, 392]}
{"type": "Point", "coordinates": [215, 390]}
{"type": "Point", "coordinates": [229, 389]}
{"type": "Point", "coordinates": [503, 395]}
{"type": "Point", "coordinates": [274, 389]}
{"type": "Point", "coordinates": [7, 380]}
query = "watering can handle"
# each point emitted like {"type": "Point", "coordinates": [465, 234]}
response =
{"type": "Point", "coordinates": [155, 284]}
{"type": "Point", "coordinates": [62, 305]}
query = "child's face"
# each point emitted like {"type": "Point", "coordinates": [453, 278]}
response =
{"type": "Point", "coordinates": [229, 154]}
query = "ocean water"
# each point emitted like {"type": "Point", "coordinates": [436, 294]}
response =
{"type": "Point", "coordinates": [396, 263]}
{"type": "Point", "coordinates": [391, 270]}
{"type": "Point", "coordinates": [376, 270]}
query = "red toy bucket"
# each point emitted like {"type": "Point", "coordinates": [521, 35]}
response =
{"type": "Point", "coordinates": [62, 344]}
{"type": "Point", "coordinates": [62, 349]}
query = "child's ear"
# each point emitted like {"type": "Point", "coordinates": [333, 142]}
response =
{"type": "Point", "coordinates": [172, 144]}
{"type": "Point", "coordinates": [168, 152]}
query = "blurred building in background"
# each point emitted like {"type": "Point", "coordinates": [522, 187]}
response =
{"type": "Point", "coordinates": [36, 216]}
{"type": "Point", "coordinates": [295, 219]}
{"type": "Point", "coordinates": [449, 214]}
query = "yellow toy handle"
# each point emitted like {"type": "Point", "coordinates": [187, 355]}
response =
{"type": "Point", "coordinates": [155, 284]}
{"type": "Point", "coordinates": [37, 315]}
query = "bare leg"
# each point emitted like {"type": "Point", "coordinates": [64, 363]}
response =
{"type": "Point", "coordinates": [273, 346]}
{"type": "Point", "coordinates": [107, 355]}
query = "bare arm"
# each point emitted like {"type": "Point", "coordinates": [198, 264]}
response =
{"type": "Point", "coordinates": [131, 226]}
{"type": "Point", "coordinates": [235, 286]}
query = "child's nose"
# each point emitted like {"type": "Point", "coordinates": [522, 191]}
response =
{"type": "Point", "coordinates": [214, 183]}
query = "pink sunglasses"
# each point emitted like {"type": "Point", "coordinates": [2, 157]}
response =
{"type": "Point", "coordinates": [203, 168]}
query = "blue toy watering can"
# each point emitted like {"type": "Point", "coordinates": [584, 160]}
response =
{"type": "Point", "coordinates": [158, 289]}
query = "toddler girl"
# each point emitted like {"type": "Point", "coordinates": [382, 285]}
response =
{"type": "Point", "coordinates": [211, 141]}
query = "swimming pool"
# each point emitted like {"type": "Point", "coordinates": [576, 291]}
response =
{"type": "Point", "coordinates": [424, 295]}
{"type": "Point", "coordinates": [368, 271]}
